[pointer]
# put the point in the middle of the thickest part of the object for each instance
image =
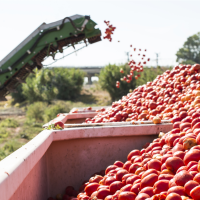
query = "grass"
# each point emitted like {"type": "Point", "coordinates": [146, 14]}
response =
{"type": "Point", "coordinates": [4, 133]}
{"type": "Point", "coordinates": [16, 134]}
{"type": "Point", "coordinates": [17, 131]}
{"type": "Point", "coordinates": [6, 104]}
{"type": "Point", "coordinates": [8, 140]}
{"type": "Point", "coordinates": [29, 132]}
{"type": "Point", "coordinates": [9, 147]}
{"type": "Point", "coordinates": [9, 123]}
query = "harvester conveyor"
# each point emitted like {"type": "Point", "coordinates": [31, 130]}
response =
{"type": "Point", "coordinates": [45, 41]}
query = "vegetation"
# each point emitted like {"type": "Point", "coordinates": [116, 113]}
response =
{"type": "Point", "coordinates": [12, 123]}
{"type": "Point", "coordinates": [111, 73]}
{"type": "Point", "coordinates": [108, 77]}
{"type": "Point", "coordinates": [41, 112]}
{"type": "Point", "coordinates": [4, 133]}
{"type": "Point", "coordinates": [190, 52]}
{"type": "Point", "coordinates": [19, 96]}
{"type": "Point", "coordinates": [69, 83]}
{"type": "Point", "coordinates": [8, 148]}
{"type": "Point", "coordinates": [49, 84]}
{"type": "Point", "coordinates": [36, 111]}
{"type": "Point", "coordinates": [7, 144]}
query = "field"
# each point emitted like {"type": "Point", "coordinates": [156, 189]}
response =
{"type": "Point", "coordinates": [19, 123]}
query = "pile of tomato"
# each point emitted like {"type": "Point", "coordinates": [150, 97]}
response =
{"type": "Point", "coordinates": [169, 167]}
{"type": "Point", "coordinates": [171, 93]}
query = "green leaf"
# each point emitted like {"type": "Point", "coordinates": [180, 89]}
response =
{"type": "Point", "coordinates": [190, 52]}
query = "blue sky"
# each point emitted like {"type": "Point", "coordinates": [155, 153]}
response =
{"type": "Point", "coordinates": [158, 26]}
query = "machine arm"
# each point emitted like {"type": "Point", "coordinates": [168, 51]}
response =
{"type": "Point", "coordinates": [43, 42]}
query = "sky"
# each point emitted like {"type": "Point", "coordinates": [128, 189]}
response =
{"type": "Point", "coordinates": [161, 27]}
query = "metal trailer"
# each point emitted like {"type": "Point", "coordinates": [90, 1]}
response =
{"type": "Point", "coordinates": [55, 159]}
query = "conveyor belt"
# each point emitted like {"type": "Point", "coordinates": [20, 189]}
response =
{"type": "Point", "coordinates": [19, 75]}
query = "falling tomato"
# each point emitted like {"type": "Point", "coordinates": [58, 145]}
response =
{"type": "Point", "coordinates": [109, 31]}
{"type": "Point", "coordinates": [148, 59]}
{"type": "Point", "coordinates": [129, 77]}
{"type": "Point", "coordinates": [135, 67]}
{"type": "Point", "coordinates": [106, 22]}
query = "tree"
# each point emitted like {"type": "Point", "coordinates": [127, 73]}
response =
{"type": "Point", "coordinates": [19, 96]}
{"type": "Point", "coordinates": [190, 52]}
{"type": "Point", "coordinates": [108, 77]}
{"type": "Point", "coordinates": [69, 83]}
{"type": "Point", "coordinates": [39, 87]}
{"type": "Point", "coordinates": [49, 84]}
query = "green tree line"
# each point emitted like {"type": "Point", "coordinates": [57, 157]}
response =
{"type": "Point", "coordinates": [111, 73]}
{"type": "Point", "coordinates": [66, 84]}
{"type": "Point", "coordinates": [49, 84]}
{"type": "Point", "coordinates": [190, 52]}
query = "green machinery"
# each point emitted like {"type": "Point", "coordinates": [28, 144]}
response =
{"type": "Point", "coordinates": [46, 40]}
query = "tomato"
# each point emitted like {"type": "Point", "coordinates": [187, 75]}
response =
{"type": "Point", "coordinates": [183, 177]}
{"type": "Point", "coordinates": [103, 193]}
{"type": "Point", "coordinates": [149, 180]}
{"type": "Point", "coordinates": [127, 196]}
{"type": "Point", "coordinates": [60, 124]}
{"type": "Point", "coordinates": [161, 186]}
{"type": "Point", "coordinates": [195, 193]}
{"type": "Point", "coordinates": [189, 186]}
{"type": "Point", "coordinates": [173, 196]}
{"type": "Point", "coordinates": [174, 163]}
{"type": "Point", "coordinates": [90, 188]}
{"type": "Point", "coordinates": [117, 185]}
